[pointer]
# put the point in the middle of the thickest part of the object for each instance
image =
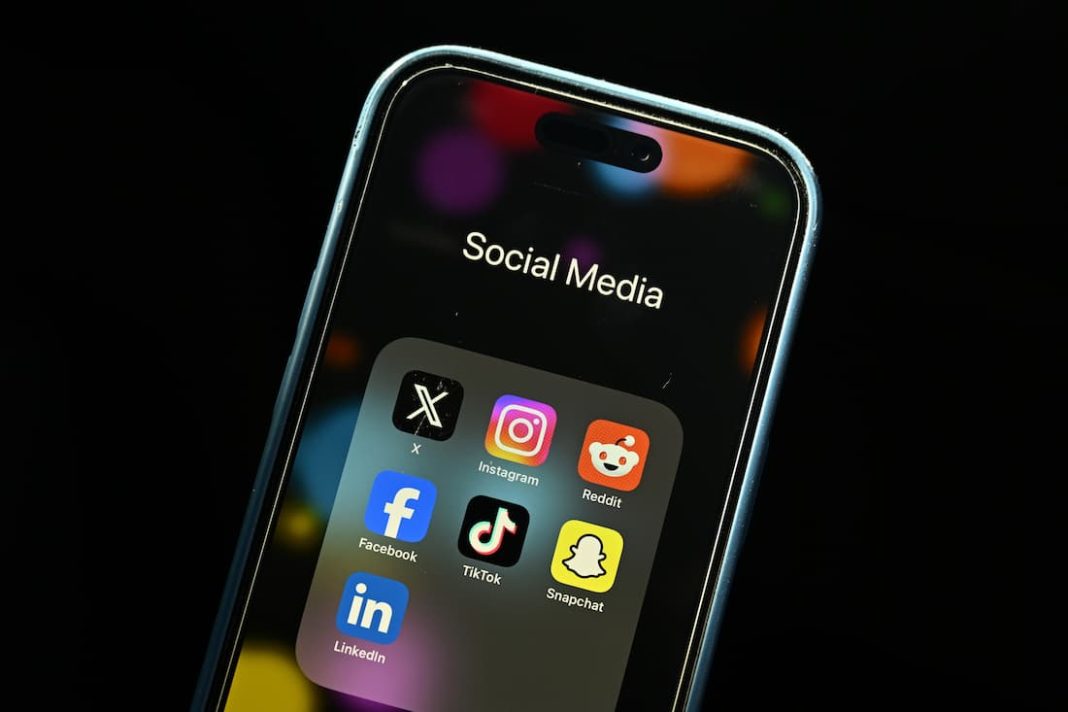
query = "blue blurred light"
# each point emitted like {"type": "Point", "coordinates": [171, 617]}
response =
{"type": "Point", "coordinates": [321, 455]}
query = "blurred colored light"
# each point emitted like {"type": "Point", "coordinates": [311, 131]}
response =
{"type": "Point", "coordinates": [321, 455]}
{"type": "Point", "coordinates": [749, 346]}
{"type": "Point", "coordinates": [775, 204]}
{"type": "Point", "coordinates": [584, 249]}
{"type": "Point", "coordinates": [691, 167]}
{"type": "Point", "coordinates": [342, 351]}
{"type": "Point", "coordinates": [623, 182]}
{"type": "Point", "coordinates": [267, 678]}
{"type": "Point", "coordinates": [694, 166]}
{"type": "Point", "coordinates": [508, 115]}
{"type": "Point", "coordinates": [355, 704]}
{"type": "Point", "coordinates": [460, 172]}
{"type": "Point", "coordinates": [298, 525]}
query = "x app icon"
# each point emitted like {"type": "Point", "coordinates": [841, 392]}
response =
{"type": "Point", "coordinates": [428, 405]}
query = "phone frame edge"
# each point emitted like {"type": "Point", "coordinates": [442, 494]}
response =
{"type": "Point", "coordinates": [689, 693]}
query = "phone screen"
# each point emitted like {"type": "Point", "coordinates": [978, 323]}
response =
{"type": "Point", "coordinates": [518, 439]}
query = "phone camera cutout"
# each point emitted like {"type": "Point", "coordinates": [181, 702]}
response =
{"type": "Point", "coordinates": [595, 141]}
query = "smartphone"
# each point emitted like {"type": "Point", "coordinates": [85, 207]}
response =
{"type": "Point", "coordinates": [520, 428]}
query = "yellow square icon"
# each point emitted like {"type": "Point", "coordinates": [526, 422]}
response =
{"type": "Point", "coordinates": [587, 556]}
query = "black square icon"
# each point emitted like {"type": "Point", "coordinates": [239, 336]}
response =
{"type": "Point", "coordinates": [493, 531]}
{"type": "Point", "coordinates": [428, 405]}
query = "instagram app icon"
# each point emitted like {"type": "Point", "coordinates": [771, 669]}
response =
{"type": "Point", "coordinates": [520, 430]}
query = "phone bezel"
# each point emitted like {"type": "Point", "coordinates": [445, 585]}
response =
{"type": "Point", "coordinates": [275, 465]}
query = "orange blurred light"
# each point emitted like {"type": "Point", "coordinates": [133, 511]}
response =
{"type": "Point", "coordinates": [267, 678]}
{"type": "Point", "coordinates": [342, 351]}
{"type": "Point", "coordinates": [749, 346]}
{"type": "Point", "coordinates": [694, 166]}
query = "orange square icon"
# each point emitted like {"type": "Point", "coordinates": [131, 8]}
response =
{"type": "Point", "coordinates": [613, 455]}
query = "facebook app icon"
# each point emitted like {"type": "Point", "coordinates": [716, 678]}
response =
{"type": "Point", "coordinates": [400, 506]}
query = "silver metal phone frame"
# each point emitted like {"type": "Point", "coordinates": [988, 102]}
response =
{"type": "Point", "coordinates": [641, 105]}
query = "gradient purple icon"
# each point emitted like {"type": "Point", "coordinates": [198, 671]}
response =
{"type": "Point", "coordinates": [460, 171]}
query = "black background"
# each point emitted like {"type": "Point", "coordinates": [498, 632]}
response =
{"type": "Point", "coordinates": [904, 540]}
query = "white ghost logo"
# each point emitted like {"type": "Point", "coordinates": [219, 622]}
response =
{"type": "Point", "coordinates": [586, 557]}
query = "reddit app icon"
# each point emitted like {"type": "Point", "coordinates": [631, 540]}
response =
{"type": "Point", "coordinates": [613, 455]}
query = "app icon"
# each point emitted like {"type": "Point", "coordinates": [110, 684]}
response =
{"type": "Point", "coordinates": [428, 405]}
{"type": "Point", "coordinates": [613, 455]}
{"type": "Point", "coordinates": [587, 556]}
{"type": "Point", "coordinates": [400, 506]}
{"type": "Point", "coordinates": [372, 607]}
{"type": "Point", "coordinates": [520, 430]}
{"type": "Point", "coordinates": [493, 530]}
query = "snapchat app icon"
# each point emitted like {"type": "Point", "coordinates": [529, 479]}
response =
{"type": "Point", "coordinates": [587, 556]}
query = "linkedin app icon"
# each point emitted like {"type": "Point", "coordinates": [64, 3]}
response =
{"type": "Point", "coordinates": [372, 607]}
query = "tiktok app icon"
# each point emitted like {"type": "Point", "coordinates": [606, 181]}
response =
{"type": "Point", "coordinates": [493, 531]}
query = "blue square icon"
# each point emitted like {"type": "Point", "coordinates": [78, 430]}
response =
{"type": "Point", "coordinates": [372, 607]}
{"type": "Point", "coordinates": [400, 506]}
